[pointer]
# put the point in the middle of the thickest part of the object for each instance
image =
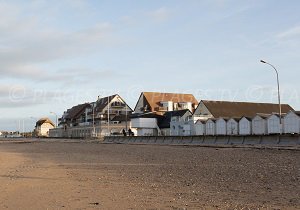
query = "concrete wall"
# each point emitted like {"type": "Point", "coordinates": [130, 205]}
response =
{"type": "Point", "coordinates": [275, 140]}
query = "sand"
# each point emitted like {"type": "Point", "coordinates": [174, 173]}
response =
{"type": "Point", "coordinates": [89, 175]}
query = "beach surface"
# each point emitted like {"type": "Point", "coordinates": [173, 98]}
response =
{"type": "Point", "coordinates": [46, 174]}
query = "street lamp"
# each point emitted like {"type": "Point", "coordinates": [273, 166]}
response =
{"type": "Point", "coordinates": [55, 119]}
{"type": "Point", "coordinates": [278, 91]}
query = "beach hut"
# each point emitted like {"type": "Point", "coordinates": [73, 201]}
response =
{"type": "Point", "coordinates": [221, 126]}
{"type": "Point", "coordinates": [245, 126]}
{"type": "Point", "coordinates": [273, 124]}
{"type": "Point", "coordinates": [259, 124]}
{"type": "Point", "coordinates": [200, 127]}
{"type": "Point", "coordinates": [210, 127]}
{"type": "Point", "coordinates": [232, 126]}
{"type": "Point", "coordinates": [291, 122]}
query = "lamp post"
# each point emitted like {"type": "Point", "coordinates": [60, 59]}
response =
{"type": "Point", "coordinates": [55, 118]}
{"type": "Point", "coordinates": [278, 91]}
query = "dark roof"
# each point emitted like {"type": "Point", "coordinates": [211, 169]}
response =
{"type": "Point", "coordinates": [242, 109]}
{"type": "Point", "coordinates": [101, 103]}
{"type": "Point", "coordinates": [44, 120]}
{"type": "Point", "coordinates": [75, 111]}
{"type": "Point", "coordinates": [166, 120]}
{"type": "Point", "coordinates": [146, 115]}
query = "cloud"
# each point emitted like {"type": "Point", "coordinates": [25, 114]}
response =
{"type": "Point", "coordinates": [292, 33]}
{"type": "Point", "coordinates": [160, 15]}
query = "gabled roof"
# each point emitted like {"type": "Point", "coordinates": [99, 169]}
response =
{"type": "Point", "coordinates": [101, 103]}
{"type": "Point", "coordinates": [166, 120]}
{"type": "Point", "coordinates": [44, 120]}
{"type": "Point", "coordinates": [242, 109]}
{"type": "Point", "coordinates": [154, 98]}
{"type": "Point", "coordinates": [75, 111]}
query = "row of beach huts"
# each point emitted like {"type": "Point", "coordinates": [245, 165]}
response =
{"type": "Point", "coordinates": [261, 124]}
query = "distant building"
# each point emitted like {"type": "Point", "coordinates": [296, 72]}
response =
{"type": "Point", "coordinates": [291, 122]}
{"type": "Point", "coordinates": [245, 126]}
{"type": "Point", "coordinates": [43, 126]}
{"type": "Point", "coordinates": [259, 124]}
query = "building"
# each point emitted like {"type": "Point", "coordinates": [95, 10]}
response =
{"type": "Point", "coordinates": [199, 127]}
{"type": "Point", "coordinates": [210, 127]}
{"type": "Point", "coordinates": [259, 124]}
{"type": "Point", "coordinates": [245, 126]}
{"type": "Point", "coordinates": [178, 122]}
{"type": "Point", "coordinates": [273, 124]}
{"type": "Point", "coordinates": [160, 103]}
{"type": "Point", "coordinates": [291, 122]}
{"type": "Point", "coordinates": [233, 126]}
{"type": "Point", "coordinates": [227, 109]}
{"type": "Point", "coordinates": [221, 125]}
{"type": "Point", "coordinates": [106, 116]}
{"type": "Point", "coordinates": [164, 113]}
{"type": "Point", "coordinates": [43, 126]}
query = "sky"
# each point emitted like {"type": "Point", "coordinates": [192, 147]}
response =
{"type": "Point", "coordinates": [60, 53]}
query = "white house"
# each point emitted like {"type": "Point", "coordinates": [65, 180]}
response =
{"type": "Point", "coordinates": [43, 126]}
{"type": "Point", "coordinates": [259, 124]}
{"type": "Point", "coordinates": [178, 122]}
{"type": "Point", "coordinates": [232, 126]}
{"type": "Point", "coordinates": [221, 126]}
{"type": "Point", "coordinates": [210, 127]}
{"type": "Point", "coordinates": [273, 123]}
{"type": "Point", "coordinates": [199, 127]}
{"type": "Point", "coordinates": [291, 122]}
{"type": "Point", "coordinates": [146, 125]}
{"type": "Point", "coordinates": [245, 126]}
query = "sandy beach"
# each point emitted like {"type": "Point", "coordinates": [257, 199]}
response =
{"type": "Point", "coordinates": [90, 175]}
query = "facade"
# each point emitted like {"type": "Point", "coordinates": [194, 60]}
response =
{"type": "Point", "coordinates": [273, 123]}
{"type": "Point", "coordinates": [259, 124]}
{"type": "Point", "coordinates": [232, 126]}
{"type": "Point", "coordinates": [43, 126]}
{"type": "Point", "coordinates": [178, 122]}
{"type": "Point", "coordinates": [245, 126]}
{"type": "Point", "coordinates": [291, 122]}
{"type": "Point", "coordinates": [221, 126]}
{"type": "Point", "coordinates": [210, 127]}
{"type": "Point", "coordinates": [199, 127]}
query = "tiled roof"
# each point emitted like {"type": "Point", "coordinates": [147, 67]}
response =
{"type": "Point", "coordinates": [154, 98]}
{"type": "Point", "coordinates": [242, 109]}
{"type": "Point", "coordinates": [102, 102]}
{"type": "Point", "coordinates": [75, 111]}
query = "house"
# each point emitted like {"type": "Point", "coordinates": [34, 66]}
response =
{"type": "Point", "coordinates": [227, 109]}
{"type": "Point", "coordinates": [146, 124]}
{"type": "Point", "coordinates": [233, 126]}
{"type": "Point", "coordinates": [178, 122]}
{"type": "Point", "coordinates": [210, 127]}
{"type": "Point", "coordinates": [291, 122]}
{"type": "Point", "coordinates": [199, 127]}
{"type": "Point", "coordinates": [259, 124]}
{"type": "Point", "coordinates": [106, 116]}
{"type": "Point", "coordinates": [43, 126]}
{"type": "Point", "coordinates": [245, 126]}
{"type": "Point", "coordinates": [160, 103]}
{"type": "Point", "coordinates": [221, 126]}
{"type": "Point", "coordinates": [273, 124]}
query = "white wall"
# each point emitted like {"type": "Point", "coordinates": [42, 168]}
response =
{"type": "Point", "coordinates": [273, 124]}
{"type": "Point", "coordinates": [244, 126]}
{"type": "Point", "coordinates": [221, 127]}
{"type": "Point", "coordinates": [232, 127]}
{"type": "Point", "coordinates": [291, 123]}
{"type": "Point", "coordinates": [144, 123]}
{"type": "Point", "coordinates": [199, 128]}
{"type": "Point", "coordinates": [259, 126]}
{"type": "Point", "coordinates": [210, 128]}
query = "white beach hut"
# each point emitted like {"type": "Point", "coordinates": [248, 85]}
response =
{"type": "Point", "coordinates": [259, 124]}
{"type": "Point", "coordinates": [210, 127]}
{"type": "Point", "coordinates": [200, 127]}
{"type": "Point", "coordinates": [291, 122]}
{"type": "Point", "coordinates": [232, 126]}
{"type": "Point", "coordinates": [245, 126]}
{"type": "Point", "coordinates": [221, 126]}
{"type": "Point", "coordinates": [273, 124]}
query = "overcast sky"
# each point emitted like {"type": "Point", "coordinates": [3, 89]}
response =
{"type": "Point", "coordinates": [59, 53]}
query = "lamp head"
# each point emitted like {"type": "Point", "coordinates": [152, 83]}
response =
{"type": "Point", "coordinates": [262, 61]}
